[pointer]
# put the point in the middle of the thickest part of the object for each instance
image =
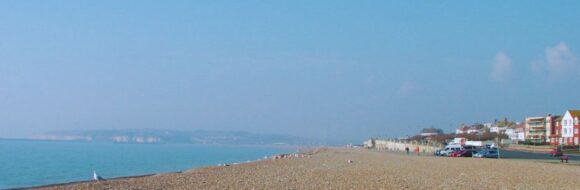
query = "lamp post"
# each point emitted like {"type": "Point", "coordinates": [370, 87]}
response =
{"type": "Point", "coordinates": [498, 144]}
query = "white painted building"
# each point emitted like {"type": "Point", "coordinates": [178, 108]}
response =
{"type": "Point", "coordinates": [511, 133]}
{"type": "Point", "coordinates": [496, 129]}
{"type": "Point", "coordinates": [462, 130]}
{"type": "Point", "coordinates": [475, 130]}
{"type": "Point", "coordinates": [570, 127]}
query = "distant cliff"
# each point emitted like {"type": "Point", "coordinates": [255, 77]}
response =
{"type": "Point", "coordinates": [171, 136]}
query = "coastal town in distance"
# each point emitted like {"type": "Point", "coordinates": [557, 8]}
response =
{"type": "Point", "coordinates": [551, 135]}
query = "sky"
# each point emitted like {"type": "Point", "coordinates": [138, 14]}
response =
{"type": "Point", "coordinates": [320, 69]}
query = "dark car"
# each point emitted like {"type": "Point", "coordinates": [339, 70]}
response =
{"type": "Point", "coordinates": [487, 153]}
{"type": "Point", "coordinates": [491, 154]}
{"type": "Point", "coordinates": [469, 147]}
{"type": "Point", "coordinates": [467, 153]}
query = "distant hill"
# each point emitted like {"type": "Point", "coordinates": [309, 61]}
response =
{"type": "Point", "coordinates": [173, 136]}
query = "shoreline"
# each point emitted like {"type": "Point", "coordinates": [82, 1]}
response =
{"type": "Point", "coordinates": [87, 181]}
{"type": "Point", "coordinates": [126, 177]}
{"type": "Point", "coordinates": [301, 150]}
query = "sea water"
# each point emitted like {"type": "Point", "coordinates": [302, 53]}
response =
{"type": "Point", "coordinates": [33, 163]}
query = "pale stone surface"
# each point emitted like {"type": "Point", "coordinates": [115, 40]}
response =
{"type": "Point", "coordinates": [330, 169]}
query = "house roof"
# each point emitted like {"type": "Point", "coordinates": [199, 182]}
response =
{"type": "Point", "coordinates": [574, 113]}
{"type": "Point", "coordinates": [464, 128]}
{"type": "Point", "coordinates": [522, 125]}
{"type": "Point", "coordinates": [535, 118]}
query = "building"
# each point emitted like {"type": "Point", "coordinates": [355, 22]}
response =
{"type": "Point", "coordinates": [511, 133]}
{"type": "Point", "coordinates": [427, 132]}
{"type": "Point", "coordinates": [521, 131]}
{"type": "Point", "coordinates": [462, 130]}
{"type": "Point", "coordinates": [556, 133]}
{"type": "Point", "coordinates": [516, 132]}
{"type": "Point", "coordinates": [542, 129]}
{"type": "Point", "coordinates": [569, 127]}
{"type": "Point", "coordinates": [535, 130]}
{"type": "Point", "coordinates": [551, 126]}
{"type": "Point", "coordinates": [473, 129]}
{"type": "Point", "coordinates": [497, 129]}
{"type": "Point", "coordinates": [477, 129]}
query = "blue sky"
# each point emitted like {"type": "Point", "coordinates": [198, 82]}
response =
{"type": "Point", "coordinates": [329, 69]}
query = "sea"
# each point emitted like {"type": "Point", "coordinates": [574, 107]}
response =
{"type": "Point", "coordinates": [26, 163]}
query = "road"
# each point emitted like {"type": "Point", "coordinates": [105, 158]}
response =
{"type": "Point", "coordinates": [507, 154]}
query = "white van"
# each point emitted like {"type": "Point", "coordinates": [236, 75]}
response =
{"type": "Point", "coordinates": [449, 149]}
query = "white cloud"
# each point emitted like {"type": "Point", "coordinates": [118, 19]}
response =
{"type": "Point", "coordinates": [502, 66]}
{"type": "Point", "coordinates": [559, 62]}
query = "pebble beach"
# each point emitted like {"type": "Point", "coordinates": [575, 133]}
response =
{"type": "Point", "coordinates": [358, 169]}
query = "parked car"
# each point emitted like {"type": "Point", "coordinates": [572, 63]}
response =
{"type": "Point", "coordinates": [467, 153]}
{"type": "Point", "coordinates": [556, 152]}
{"type": "Point", "coordinates": [480, 153]}
{"type": "Point", "coordinates": [491, 154]}
{"type": "Point", "coordinates": [449, 149]}
{"type": "Point", "coordinates": [469, 147]}
{"type": "Point", "coordinates": [456, 153]}
{"type": "Point", "coordinates": [488, 153]}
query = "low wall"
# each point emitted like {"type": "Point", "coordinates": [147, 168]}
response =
{"type": "Point", "coordinates": [392, 145]}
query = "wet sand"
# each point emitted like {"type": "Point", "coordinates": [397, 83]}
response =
{"type": "Point", "coordinates": [329, 169]}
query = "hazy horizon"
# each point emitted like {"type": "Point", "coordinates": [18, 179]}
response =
{"type": "Point", "coordinates": [324, 69]}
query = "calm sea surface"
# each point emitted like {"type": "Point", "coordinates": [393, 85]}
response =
{"type": "Point", "coordinates": [32, 163]}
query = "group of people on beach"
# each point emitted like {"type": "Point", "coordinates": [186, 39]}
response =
{"type": "Point", "coordinates": [416, 150]}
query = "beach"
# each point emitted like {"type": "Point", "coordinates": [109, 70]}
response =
{"type": "Point", "coordinates": [330, 169]}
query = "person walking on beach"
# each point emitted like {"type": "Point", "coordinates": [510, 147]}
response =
{"type": "Point", "coordinates": [417, 150]}
{"type": "Point", "coordinates": [407, 150]}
